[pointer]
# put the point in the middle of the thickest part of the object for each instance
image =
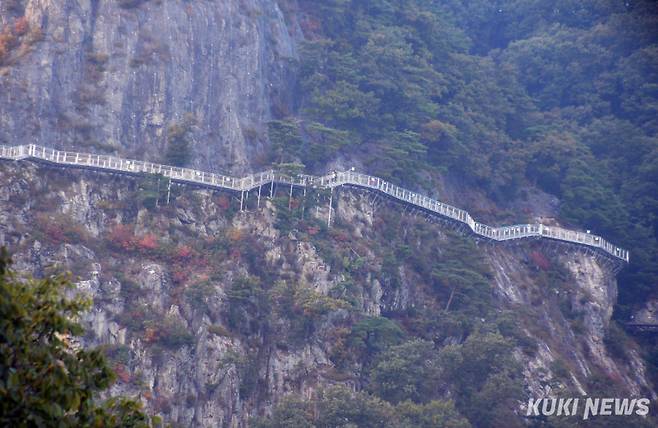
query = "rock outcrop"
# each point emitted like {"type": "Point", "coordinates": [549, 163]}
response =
{"type": "Point", "coordinates": [120, 76]}
{"type": "Point", "coordinates": [169, 317]}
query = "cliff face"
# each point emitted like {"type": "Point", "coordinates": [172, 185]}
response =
{"type": "Point", "coordinates": [193, 303]}
{"type": "Point", "coordinates": [209, 315]}
{"type": "Point", "coordinates": [114, 75]}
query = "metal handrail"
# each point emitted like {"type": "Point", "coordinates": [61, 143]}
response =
{"type": "Point", "coordinates": [334, 179]}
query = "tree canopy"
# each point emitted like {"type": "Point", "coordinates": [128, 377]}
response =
{"type": "Point", "coordinates": [46, 378]}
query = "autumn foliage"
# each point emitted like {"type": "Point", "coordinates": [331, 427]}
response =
{"type": "Point", "coordinates": [540, 260]}
{"type": "Point", "coordinates": [21, 26]}
{"type": "Point", "coordinates": [10, 36]}
{"type": "Point", "coordinates": [122, 237]}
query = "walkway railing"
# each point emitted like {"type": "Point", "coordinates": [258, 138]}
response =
{"type": "Point", "coordinates": [350, 178]}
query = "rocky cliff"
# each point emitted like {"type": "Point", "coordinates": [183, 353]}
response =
{"type": "Point", "coordinates": [212, 315]}
{"type": "Point", "coordinates": [116, 75]}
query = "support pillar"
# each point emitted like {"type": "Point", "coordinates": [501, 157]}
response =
{"type": "Point", "coordinates": [258, 198]}
{"type": "Point", "coordinates": [331, 198]}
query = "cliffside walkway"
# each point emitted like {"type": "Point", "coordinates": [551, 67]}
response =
{"type": "Point", "coordinates": [329, 181]}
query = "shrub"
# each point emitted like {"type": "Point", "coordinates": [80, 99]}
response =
{"type": "Point", "coordinates": [60, 228]}
{"type": "Point", "coordinates": [21, 26]}
{"type": "Point", "coordinates": [406, 372]}
{"type": "Point", "coordinates": [197, 295]}
{"type": "Point", "coordinates": [540, 260]}
{"type": "Point", "coordinates": [183, 252]}
{"type": "Point", "coordinates": [119, 354]}
{"type": "Point", "coordinates": [373, 335]}
{"type": "Point", "coordinates": [129, 4]}
{"type": "Point", "coordinates": [219, 330]}
{"type": "Point", "coordinates": [177, 152]}
{"type": "Point", "coordinates": [121, 237]}
{"type": "Point", "coordinates": [172, 333]}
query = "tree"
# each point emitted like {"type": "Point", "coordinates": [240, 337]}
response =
{"type": "Point", "coordinates": [485, 378]}
{"type": "Point", "coordinates": [433, 414]}
{"type": "Point", "coordinates": [178, 144]}
{"type": "Point", "coordinates": [340, 407]}
{"type": "Point", "coordinates": [373, 335]}
{"type": "Point", "coordinates": [45, 378]}
{"type": "Point", "coordinates": [406, 372]}
{"type": "Point", "coordinates": [290, 412]}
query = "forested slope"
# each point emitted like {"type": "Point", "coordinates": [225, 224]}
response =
{"type": "Point", "coordinates": [561, 95]}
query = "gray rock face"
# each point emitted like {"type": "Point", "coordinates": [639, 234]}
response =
{"type": "Point", "coordinates": [200, 378]}
{"type": "Point", "coordinates": [96, 75]}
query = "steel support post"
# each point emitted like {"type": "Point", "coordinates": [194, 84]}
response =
{"type": "Point", "coordinates": [331, 198]}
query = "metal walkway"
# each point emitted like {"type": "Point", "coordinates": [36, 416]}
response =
{"type": "Point", "coordinates": [335, 179]}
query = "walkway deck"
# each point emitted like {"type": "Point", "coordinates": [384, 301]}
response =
{"type": "Point", "coordinates": [335, 179]}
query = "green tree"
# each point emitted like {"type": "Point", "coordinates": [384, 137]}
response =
{"type": "Point", "coordinates": [373, 335]}
{"type": "Point", "coordinates": [406, 372]}
{"type": "Point", "coordinates": [341, 407]}
{"type": "Point", "coordinates": [291, 412]}
{"type": "Point", "coordinates": [430, 415]}
{"type": "Point", "coordinates": [485, 377]}
{"type": "Point", "coordinates": [178, 151]}
{"type": "Point", "coordinates": [45, 379]}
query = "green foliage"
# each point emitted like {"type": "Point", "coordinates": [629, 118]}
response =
{"type": "Point", "coordinates": [177, 151]}
{"type": "Point", "coordinates": [617, 342]}
{"type": "Point", "coordinates": [290, 412]}
{"type": "Point", "coordinates": [311, 143]}
{"type": "Point", "coordinates": [248, 305]}
{"type": "Point", "coordinates": [198, 295]}
{"type": "Point", "coordinates": [406, 372]}
{"type": "Point", "coordinates": [462, 278]}
{"type": "Point", "coordinates": [117, 353]}
{"type": "Point", "coordinates": [129, 4]}
{"type": "Point", "coordinates": [430, 415]}
{"type": "Point", "coordinates": [172, 333]}
{"type": "Point", "coordinates": [286, 140]}
{"type": "Point", "coordinates": [339, 406]}
{"type": "Point", "coordinates": [372, 335]}
{"type": "Point", "coordinates": [152, 190]}
{"type": "Point", "coordinates": [44, 379]}
{"type": "Point", "coordinates": [303, 307]}
{"type": "Point", "coordinates": [559, 94]}
{"type": "Point", "coordinates": [486, 378]}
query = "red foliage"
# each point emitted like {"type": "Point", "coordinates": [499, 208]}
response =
{"type": "Point", "coordinates": [122, 373]}
{"type": "Point", "coordinates": [148, 242]}
{"type": "Point", "coordinates": [234, 254]}
{"type": "Point", "coordinates": [7, 42]}
{"type": "Point", "coordinates": [183, 252]}
{"type": "Point", "coordinates": [540, 260]}
{"type": "Point", "coordinates": [122, 237]}
{"type": "Point", "coordinates": [54, 233]}
{"type": "Point", "coordinates": [234, 235]}
{"type": "Point", "coordinates": [150, 335]}
{"type": "Point", "coordinates": [310, 27]}
{"type": "Point", "coordinates": [21, 26]}
{"type": "Point", "coordinates": [313, 230]}
{"type": "Point", "coordinates": [223, 202]}
{"type": "Point", "coordinates": [340, 236]}
{"type": "Point", "coordinates": [180, 275]}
